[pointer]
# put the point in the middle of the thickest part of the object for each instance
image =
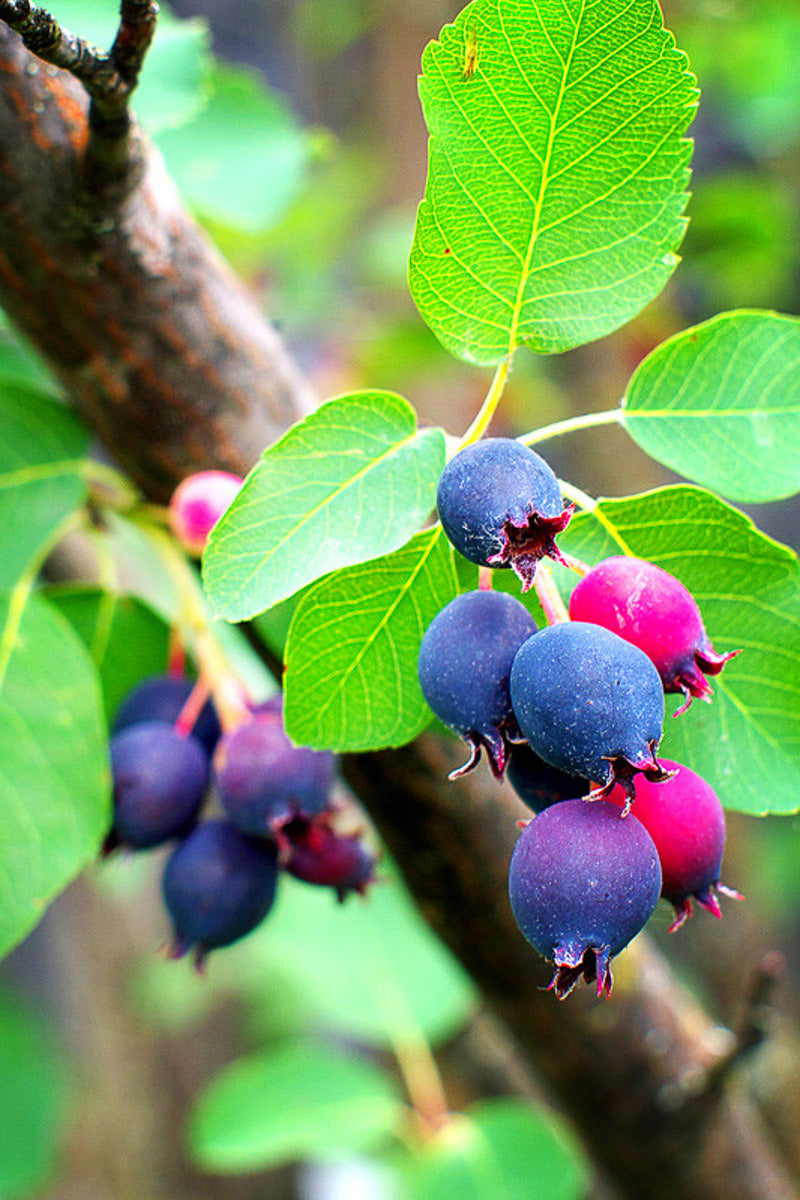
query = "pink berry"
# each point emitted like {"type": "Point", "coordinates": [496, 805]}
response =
{"type": "Point", "coordinates": [198, 503]}
{"type": "Point", "coordinates": [653, 610]}
{"type": "Point", "coordinates": [686, 821]}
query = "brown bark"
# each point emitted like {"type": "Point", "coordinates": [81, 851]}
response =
{"type": "Point", "coordinates": [164, 354]}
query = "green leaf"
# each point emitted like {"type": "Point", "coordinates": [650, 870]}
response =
{"type": "Point", "coordinates": [498, 1150]}
{"type": "Point", "coordinates": [41, 474]}
{"type": "Point", "coordinates": [296, 1102]}
{"type": "Point", "coordinates": [557, 173]}
{"type": "Point", "coordinates": [351, 482]}
{"type": "Point", "coordinates": [746, 743]}
{"type": "Point", "coordinates": [719, 403]}
{"type": "Point", "coordinates": [124, 637]}
{"type": "Point", "coordinates": [32, 1087]}
{"type": "Point", "coordinates": [351, 658]}
{"type": "Point", "coordinates": [54, 786]}
{"type": "Point", "coordinates": [369, 968]}
{"type": "Point", "coordinates": [248, 180]}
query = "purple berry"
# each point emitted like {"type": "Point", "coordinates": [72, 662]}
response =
{"type": "Point", "coordinates": [653, 610]}
{"type": "Point", "coordinates": [198, 503]}
{"type": "Point", "coordinates": [537, 783]}
{"type": "Point", "coordinates": [327, 859]}
{"type": "Point", "coordinates": [501, 506]}
{"type": "Point", "coordinates": [464, 665]}
{"type": "Point", "coordinates": [218, 885]}
{"type": "Point", "coordinates": [160, 781]}
{"type": "Point", "coordinates": [161, 698]}
{"type": "Point", "coordinates": [589, 704]}
{"type": "Point", "coordinates": [264, 781]}
{"type": "Point", "coordinates": [583, 882]}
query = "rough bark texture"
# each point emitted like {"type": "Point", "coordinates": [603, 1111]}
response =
{"type": "Point", "coordinates": [163, 353]}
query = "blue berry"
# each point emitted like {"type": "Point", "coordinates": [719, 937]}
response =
{"type": "Point", "coordinates": [589, 704]}
{"type": "Point", "coordinates": [218, 885]}
{"type": "Point", "coordinates": [500, 505]}
{"type": "Point", "coordinates": [464, 665]}
{"type": "Point", "coordinates": [161, 698]}
{"type": "Point", "coordinates": [583, 882]}
{"type": "Point", "coordinates": [160, 781]}
{"type": "Point", "coordinates": [537, 783]}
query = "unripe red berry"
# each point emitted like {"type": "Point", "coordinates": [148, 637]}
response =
{"type": "Point", "coordinates": [198, 503]}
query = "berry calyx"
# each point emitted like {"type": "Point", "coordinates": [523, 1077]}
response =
{"type": "Point", "coordinates": [583, 882]}
{"type": "Point", "coordinates": [319, 856]}
{"type": "Point", "coordinates": [653, 610]}
{"type": "Point", "coordinates": [464, 666]}
{"type": "Point", "coordinates": [501, 506]}
{"type": "Point", "coordinates": [198, 503]}
{"type": "Point", "coordinates": [686, 821]}
{"type": "Point", "coordinates": [160, 781]}
{"type": "Point", "coordinates": [589, 704]}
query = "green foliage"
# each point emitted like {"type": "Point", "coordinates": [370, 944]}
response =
{"type": "Point", "coordinates": [557, 173]}
{"type": "Point", "coordinates": [746, 743]}
{"type": "Point", "coordinates": [351, 658]}
{"type": "Point", "coordinates": [499, 1148]}
{"type": "Point", "coordinates": [351, 482]}
{"type": "Point", "coordinates": [293, 1102]}
{"type": "Point", "coordinates": [32, 1092]}
{"type": "Point", "coordinates": [54, 788]}
{"type": "Point", "coordinates": [719, 403]}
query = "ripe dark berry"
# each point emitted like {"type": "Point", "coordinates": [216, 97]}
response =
{"type": "Point", "coordinates": [264, 781]}
{"type": "Point", "coordinates": [160, 781]}
{"type": "Point", "coordinates": [501, 506]}
{"type": "Point", "coordinates": [198, 503]}
{"type": "Point", "coordinates": [218, 885]}
{"type": "Point", "coordinates": [686, 821]}
{"type": "Point", "coordinates": [327, 859]}
{"type": "Point", "coordinates": [589, 703]}
{"type": "Point", "coordinates": [653, 610]}
{"type": "Point", "coordinates": [161, 698]}
{"type": "Point", "coordinates": [464, 665]}
{"type": "Point", "coordinates": [537, 783]}
{"type": "Point", "coordinates": [583, 881]}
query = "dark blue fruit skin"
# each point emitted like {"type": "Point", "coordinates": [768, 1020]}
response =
{"type": "Point", "coordinates": [264, 781]}
{"type": "Point", "coordinates": [537, 783]}
{"type": "Point", "coordinates": [160, 781]}
{"type": "Point", "coordinates": [161, 698]}
{"type": "Point", "coordinates": [218, 885]}
{"type": "Point", "coordinates": [583, 696]}
{"type": "Point", "coordinates": [488, 483]}
{"type": "Point", "coordinates": [583, 877]}
{"type": "Point", "coordinates": [465, 661]}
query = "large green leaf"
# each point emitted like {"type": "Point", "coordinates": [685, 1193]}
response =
{"type": "Point", "coordinates": [41, 474]}
{"type": "Point", "coordinates": [747, 741]}
{"type": "Point", "coordinates": [557, 175]}
{"type": "Point", "coordinates": [720, 403]}
{"type": "Point", "coordinates": [295, 1102]}
{"type": "Point", "coordinates": [498, 1150]}
{"type": "Point", "coordinates": [54, 786]}
{"type": "Point", "coordinates": [351, 482]}
{"type": "Point", "coordinates": [351, 658]}
{"type": "Point", "coordinates": [248, 180]}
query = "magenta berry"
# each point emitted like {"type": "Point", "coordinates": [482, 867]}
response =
{"type": "Point", "coordinates": [501, 506]}
{"type": "Point", "coordinates": [160, 781]}
{"type": "Point", "coordinates": [589, 704]}
{"type": "Point", "coordinates": [653, 610]}
{"type": "Point", "coordinates": [686, 821]}
{"type": "Point", "coordinates": [583, 882]}
{"type": "Point", "coordinates": [161, 698]}
{"type": "Point", "coordinates": [264, 781]}
{"type": "Point", "coordinates": [464, 665]}
{"type": "Point", "coordinates": [198, 503]}
{"type": "Point", "coordinates": [327, 859]}
{"type": "Point", "coordinates": [218, 885]}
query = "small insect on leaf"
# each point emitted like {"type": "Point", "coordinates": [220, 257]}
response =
{"type": "Point", "coordinates": [470, 54]}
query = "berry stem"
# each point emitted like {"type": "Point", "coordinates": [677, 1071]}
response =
{"type": "Point", "coordinates": [612, 416]}
{"type": "Point", "coordinates": [187, 717]}
{"type": "Point", "coordinates": [489, 406]}
{"type": "Point", "coordinates": [485, 579]}
{"type": "Point", "coordinates": [576, 564]}
{"type": "Point", "coordinates": [553, 607]}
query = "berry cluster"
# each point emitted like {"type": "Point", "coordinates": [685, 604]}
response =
{"type": "Point", "coordinates": [275, 801]}
{"type": "Point", "coordinates": [575, 713]}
